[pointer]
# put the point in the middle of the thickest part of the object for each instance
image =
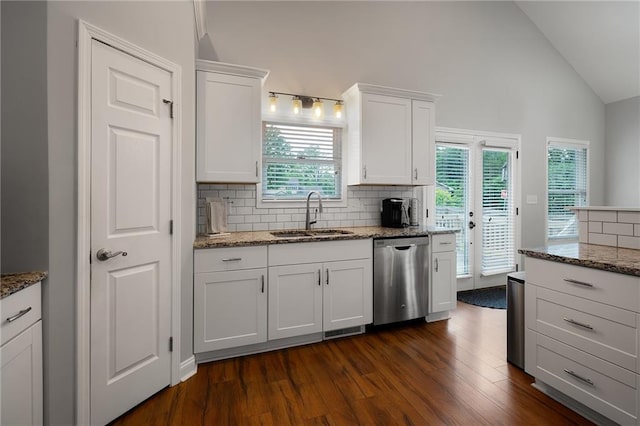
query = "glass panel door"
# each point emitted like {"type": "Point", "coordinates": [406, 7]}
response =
{"type": "Point", "coordinates": [475, 192]}
{"type": "Point", "coordinates": [453, 198]}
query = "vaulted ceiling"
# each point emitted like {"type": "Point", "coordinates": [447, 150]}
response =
{"type": "Point", "coordinates": [600, 39]}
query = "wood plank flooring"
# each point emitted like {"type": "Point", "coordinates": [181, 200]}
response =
{"type": "Point", "coordinates": [451, 372]}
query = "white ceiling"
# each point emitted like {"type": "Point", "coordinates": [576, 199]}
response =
{"type": "Point", "coordinates": [600, 39]}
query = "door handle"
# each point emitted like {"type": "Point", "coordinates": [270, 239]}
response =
{"type": "Point", "coordinates": [104, 254]}
{"type": "Point", "coordinates": [472, 224]}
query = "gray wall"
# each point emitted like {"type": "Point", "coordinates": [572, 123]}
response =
{"type": "Point", "coordinates": [167, 29]}
{"type": "Point", "coordinates": [622, 154]}
{"type": "Point", "coordinates": [495, 69]}
{"type": "Point", "coordinates": [24, 168]}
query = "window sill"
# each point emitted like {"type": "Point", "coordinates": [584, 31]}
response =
{"type": "Point", "coordinates": [298, 204]}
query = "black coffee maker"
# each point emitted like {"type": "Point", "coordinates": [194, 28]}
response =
{"type": "Point", "coordinates": [392, 212]}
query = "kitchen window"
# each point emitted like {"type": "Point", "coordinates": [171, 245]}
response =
{"type": "Point", "coordinates": [298, 158]}
{"type": "Point", "coordinates": [567, 185]}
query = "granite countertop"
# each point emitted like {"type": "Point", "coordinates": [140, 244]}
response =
{"type": "Point", "coordinates": [11, 283]}
{"type": "Point", "coordinates": [612, 259]}
{"type": "Point", "coordinates": [239, 239]}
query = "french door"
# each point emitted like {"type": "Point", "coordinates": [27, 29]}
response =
{"type": "Point", "coordinates": [476, 193]}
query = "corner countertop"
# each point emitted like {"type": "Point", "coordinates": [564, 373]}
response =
{"type": "Point", "coordinates": [253, 238]}
{"type": "Point", "coordinates": [11, 283]}
{"type": "Point", "coordinates": [612, 259]}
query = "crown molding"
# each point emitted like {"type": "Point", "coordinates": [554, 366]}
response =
{"type": "Point", "coordinates": [200, 15]}
{"type": "Point", "coordinates": [391, 91]}
{"type": "Point", "coordinates": [231, 69]}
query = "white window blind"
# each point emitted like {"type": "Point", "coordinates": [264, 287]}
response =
{"type": "Point", "coordinates": [301, 158]}
{"type": "Point", "coordinates": [452, 197]}
{"type": "Point", "coordinates": [498, 212]}
{"type": "Point", "coordinates": [566, 187]}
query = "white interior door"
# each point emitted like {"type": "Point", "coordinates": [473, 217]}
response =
{"type": "Point", "coordinates": [476, 193]}
{"type": "Point", "coordinates": [130, 213]}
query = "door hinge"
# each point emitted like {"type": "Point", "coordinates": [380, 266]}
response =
{"type": "Point", "coordinates": [167, 101]}
{"type": "Point", "coordinates": [170, 344]}
{"type": "Point", "coordinates": [171, 227]}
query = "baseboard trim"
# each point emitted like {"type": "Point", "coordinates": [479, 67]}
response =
{"type": "Point", "coordinates": [188, 368]}
{"type": "Point", "coordinates": [438, 316]}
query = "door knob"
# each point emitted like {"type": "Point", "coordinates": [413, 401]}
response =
{"type": "Point", "coordinates": [104, 254]}
{"type": "Point", "coordinates": [472, 224]}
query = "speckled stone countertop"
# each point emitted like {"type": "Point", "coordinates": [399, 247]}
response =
{"type": "Point", "coordinates": [254, 238]}
{"type": "Point", "coordinates": [612, 259]}
{"type": "Point", "coordinates": [10, 283]}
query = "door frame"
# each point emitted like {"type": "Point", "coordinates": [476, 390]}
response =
{"type": "Point", "coordinates": [469, 138]}
{"type": "Point", "coordinates": [87, 33]}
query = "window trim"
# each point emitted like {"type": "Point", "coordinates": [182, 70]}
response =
{"type": "Point", "coordinates": [563, 143]}
{"type": "Point", "coordinates": [284, 204]}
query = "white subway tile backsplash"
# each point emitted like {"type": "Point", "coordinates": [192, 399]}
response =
{"type": "Point", "coordinates": [603, 216]}
{"type": "Point", "coordinates": [636, 230]}
{"type": "Point", "coordinates": [629, 242]}
{"type": "Point", "coordinates": [595, 227]}
{"type": "Point", "coordinates": [629, 217]}
{"type": "Point", "coordinates": [583, 215]}
{"type": "Point", "coordinates": [603, 239]}
{"type": "Point", "coordinates": [583, 232]}
{"type": "Point", "coordinates": [363, 208]}
{"type": "Point", "coordinates": [617, 228]}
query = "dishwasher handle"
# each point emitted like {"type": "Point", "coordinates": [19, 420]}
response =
{"type": "Point", "coordinates": [401, 248]}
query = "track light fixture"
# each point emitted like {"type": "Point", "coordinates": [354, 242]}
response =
{"type": "Point", "coordinates": [300, 102]}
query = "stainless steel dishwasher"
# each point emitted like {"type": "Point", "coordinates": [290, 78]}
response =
{"type": "Point", "coordinates": [400, 279]}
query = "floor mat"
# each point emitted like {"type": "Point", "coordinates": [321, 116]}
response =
{"type": "Point", "coordinates": [494, 297]}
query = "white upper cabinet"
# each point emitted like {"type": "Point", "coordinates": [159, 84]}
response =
{"type": "Point", "coordinates": [391, 137]}
{"type": "Point", "coordinates": [229, 127]}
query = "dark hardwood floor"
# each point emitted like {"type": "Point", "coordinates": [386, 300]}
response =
{"type": "Point", "coordinates": [449, 372]}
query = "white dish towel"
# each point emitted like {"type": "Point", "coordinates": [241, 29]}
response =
{"type": "Point", "coordinates": [216, 213]}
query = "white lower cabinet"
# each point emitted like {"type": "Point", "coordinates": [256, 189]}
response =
{"type": "Point", "coordinates": [443, 273]}
{"type": "Point", "coordinates": [295, 300]}
{"type": "Point", "coordinates": [241, 299]}
{"type": "Point", "coordinates": [313, 297]}
{"type": "Point", "coordinates": [582, 334]}
{"type": "Point", "coordinates": [230, 298]}
{"type": "Point", "coordinates": [21, 358]}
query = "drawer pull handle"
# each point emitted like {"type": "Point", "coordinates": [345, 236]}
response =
{"type": "Point", "coordinates": [579, 377]}
{"type": "Point", "coordinates": [582, 283]}
{"type": "Point", "coordinates": [232, 259]}
{"type": "Point", "coordinates": [19, 314]}
{"type": "Point", "coordinates": [579, 324]}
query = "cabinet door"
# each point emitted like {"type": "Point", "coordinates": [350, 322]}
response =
{"type": "Point", "coordinates": [386, 140]}
{"type": "Point", "coordinates": [230, 309]}
{"type": "Point", "coordinates": [443, 282]}
{"type": "Point", "coordinates": [423, 142]}
{"type": "Point", "coordinates": [348, 294]}
{"type": "Point", "coordinates": [295, 300]}
{"type": "Point", "coordinates": [21, 377]}
{"type": "Point", "coordinates": [229, 132]}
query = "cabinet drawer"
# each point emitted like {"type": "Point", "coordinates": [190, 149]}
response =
{"type": "Point", "coordinates": [324, 251]}
{"type": "Point", "coordinates": [601, 330]}
{"type": "Point", "coordinates": [27, 301]}
{"type": "Point", "coordinates": [443, 242]}
{"type": "Point", "coordinates": [229, 259]}
{"type": "Point", "coordinates": [598, 384]}
{"type": "Point", "coordinates": [618, 290]}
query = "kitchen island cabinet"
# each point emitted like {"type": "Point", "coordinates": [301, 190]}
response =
{"type": "Point", "coordinates": [582, 329]}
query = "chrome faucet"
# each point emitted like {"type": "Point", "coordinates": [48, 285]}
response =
{"type": "Point", "coordinates": [308, 221]}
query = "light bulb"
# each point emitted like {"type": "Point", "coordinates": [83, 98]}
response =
{"type": "Point", "coordinates": [317, 108]}
{"type": "Point", "coordinates": [296, 104]}
{"type": "Point", "coordinates": [337, 109]}
{"type": "Point", "coordinates": [273, 102]}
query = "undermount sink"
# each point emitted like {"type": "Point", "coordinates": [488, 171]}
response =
{"type": "Point", "coordinates": [290, 234]}
{"type": "Point", "coordinates": [329, 232]}
{"type": "Point", "coordinates": [310, 233]}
